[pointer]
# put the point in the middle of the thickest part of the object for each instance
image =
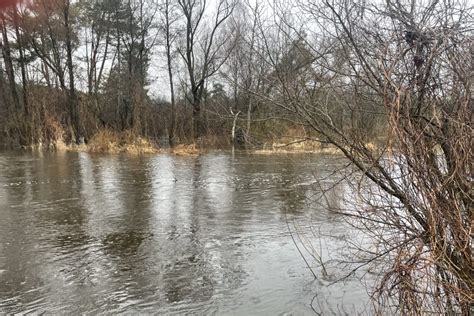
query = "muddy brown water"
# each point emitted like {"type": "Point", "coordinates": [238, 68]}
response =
{"type": "Point", "coordinates": [162, 234]}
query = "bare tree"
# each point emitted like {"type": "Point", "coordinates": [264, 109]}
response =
{"type": "Point", "coordinates": [404, 63]}
{"type": "Point", "coordinates": [74, 112]}
{"type": "Point", "coordinates": [202, 53]}
{"type": "Point", "coordinates": [169, 20]}
{"type": "Point", "coordinates": [20, 42]}
{"type": "Point", "coordinates": [49, 30]}
{"type": "Point", "coordinates": [243, 68]}
{"type": "Point", "coordinates": [7, 57]}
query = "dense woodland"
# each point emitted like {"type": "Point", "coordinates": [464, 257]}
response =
{"type": "Point", "coordinates": [72, 68]}
{"type": "Point", "coordinates": [388, 83]}
{"type": "Point", "coordinates": [184, 70]}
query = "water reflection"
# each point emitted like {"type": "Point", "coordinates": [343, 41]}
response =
{"type": "Point", "coordinates": [87, 234]}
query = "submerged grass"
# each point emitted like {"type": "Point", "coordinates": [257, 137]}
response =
{"type": "Point", "coordinates": [112, 142]}
{"type": "Point", "coordinates": [108, 141]}
{"type": "Point", "coordinates": [297, 147]}
{"type": "Point", "coordinates": [186, 150]}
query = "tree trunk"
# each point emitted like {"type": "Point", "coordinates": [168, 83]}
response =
{"type": "Point", "coordinates": [249, 119]}
{"type": "Point", "coordinates": [234, 125]}
{"type": "Point", "coordinates": [172, 126]}
{"type": "Point", "coordinates": [9, 64]}
{"type": "Point", "coordinates": [196, 132]}
{"type": "Point", "coordinates": [22, 62]}
{"type": "Point", "coordinates": [73, 102]}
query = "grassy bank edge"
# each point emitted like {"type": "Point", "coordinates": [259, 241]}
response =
{"type": "Point", "coordinates": [113, 142]}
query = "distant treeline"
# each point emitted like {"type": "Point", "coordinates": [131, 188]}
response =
{"type": "Point", "coordinates": [72, 68]}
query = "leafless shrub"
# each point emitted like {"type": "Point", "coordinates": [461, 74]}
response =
{"type": "Point", "coordinates": [409, 66]}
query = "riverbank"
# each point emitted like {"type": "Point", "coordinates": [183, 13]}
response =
{"type": "Point", "coordinates": [142, 146]}
{"type": "Point", "coordinates": [104, 142]}
{"type": "Point", "coordinates": [112, 142]}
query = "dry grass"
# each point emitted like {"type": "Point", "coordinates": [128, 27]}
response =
{"type": "Point", "coordinates": [186, 150]}
{"type": "Point", "coordinates": [105, 141]}
{"type": "Point", "coordinates": [298, 146]}
{"type": "Point", "coordinates": [111, 142]}
{"type": "Point", "coordinates": [60, 145]}
{"type": "Point", "coordinates": [302, 145]}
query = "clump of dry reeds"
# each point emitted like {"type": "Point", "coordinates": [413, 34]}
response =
{"type": "Point", "coordinates": [109, 141]}
{"type": "Point", "coordinates": [297, 146]}
{"type": "Point", "coordinates": [186, 150]}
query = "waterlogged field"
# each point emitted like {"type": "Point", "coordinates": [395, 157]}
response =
{"type": "Point", "coordinates": [84, 233]}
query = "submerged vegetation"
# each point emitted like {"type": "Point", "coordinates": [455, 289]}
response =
{"type": "Point", "coordinates": [72, 69]}
{"type": "Point", "coordinates": [109, 141]}
{"type": "Point", "coordinates": [388, 85]}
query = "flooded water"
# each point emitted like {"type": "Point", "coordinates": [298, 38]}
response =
{"type": "Point", "coordinates": [162, 234]}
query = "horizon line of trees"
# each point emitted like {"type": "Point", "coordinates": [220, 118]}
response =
{"type": "Point", "coordinates": [85, 65]}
